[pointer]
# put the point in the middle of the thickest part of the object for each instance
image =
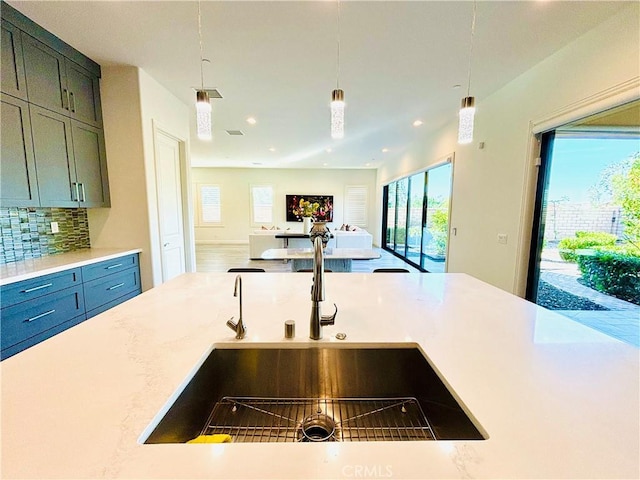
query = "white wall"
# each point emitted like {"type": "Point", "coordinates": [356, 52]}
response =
{"type": "Point", "coordinates": [131, 102]}
{"type": "Point", "coordinates": [163, 109]}
{"type": "Point", "coordinates": [492, 187]}
{"type": "Point", "coordinates": [235, 182]}
{"type": "Point", "coordinates": [126, 223]}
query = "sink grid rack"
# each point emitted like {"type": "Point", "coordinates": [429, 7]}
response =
{"type": "Point", "coordinates": [254, 419]}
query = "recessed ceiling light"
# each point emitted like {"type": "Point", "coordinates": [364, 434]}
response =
{"type": "Point", "coordinates": [251, 121]}
{"type": "Point", "coordinates": [367, 164]}
{"type": "Point", "coordinates": [325, 164]}
{"type": "Point", "coordinates": [456, 86]}
{"type": "Point", "coordinates": [272, 149]}
{"type": "Point", "coordinates": [329, 150]}
{"type": "Point", "coordinates": [385, 150]}
{"type": "Point", "coordinates": [417, 123]}
{"type": "Point", "coordinates": [256, 163]}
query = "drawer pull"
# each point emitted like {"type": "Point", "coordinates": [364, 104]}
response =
{"type": "Point", "coordinates": [40, 316]}
{"type": "Point", "coordinates": [29, 290]}
{"type": "Point", "coordinates": [114, 266]}
{"type": "Point", "coordinates": [116, 286]}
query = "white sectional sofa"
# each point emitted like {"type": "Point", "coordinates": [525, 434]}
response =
{"type": "Point", "coordinates": [262, 240]}
{"type": "Point", "coordinates": [356, 239]}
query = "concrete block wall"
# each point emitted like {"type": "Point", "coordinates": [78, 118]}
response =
{"type": "Point", "coordinates": [565, 219]}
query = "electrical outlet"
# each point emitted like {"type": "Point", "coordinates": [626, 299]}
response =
{"type": "Point", "coordinates": [54, 227]}
{"type": "Point", "coordinates": [502, 238]}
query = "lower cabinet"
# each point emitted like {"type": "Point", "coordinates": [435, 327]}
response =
{"type": "Point", "coordinates": [110, 287]}
{"type": "Point", "coordinates": [28, 319]}
{"type": "Point", "coordinates": [39, 308]}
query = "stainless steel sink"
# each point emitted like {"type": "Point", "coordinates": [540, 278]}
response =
{"type": "Point", "coordinates": [311, 394]}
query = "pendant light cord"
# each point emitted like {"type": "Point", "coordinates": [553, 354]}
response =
{"type": "Point", "coordinates": [338, 69]}
{"type": "Point", "coordinates": [473, 31]}
{"type": "Point", "coordinates": [201, 48]}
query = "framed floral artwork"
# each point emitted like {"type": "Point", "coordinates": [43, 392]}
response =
{"type": "Point", "coordinates": [319, 207]}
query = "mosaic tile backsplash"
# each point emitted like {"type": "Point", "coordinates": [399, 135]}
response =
{"type": "Point", "coordinates": [26, 232]}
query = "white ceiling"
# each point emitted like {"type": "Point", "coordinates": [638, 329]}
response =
{"type": "Point", "coordinates": [276, 61]}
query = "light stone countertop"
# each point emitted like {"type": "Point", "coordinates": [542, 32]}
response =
{"type": "Point", "coordinates": [557, 399]}
{"type": "Point", "coordinates": [27, 269]}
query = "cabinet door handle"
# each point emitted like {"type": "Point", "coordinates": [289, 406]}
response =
{"type": "Point", "coordinates": [65, 99]}
{"type": "Point", "coordinates": [83, 193]}
{"type": "Point", "coordinates": [72, 102]}
{"type": "Point", "coordinates": [40, 316]}
{"type": "Point", "coordinates": [116, 286]}
{"type": "Point", "coordinates": [114, 266]}
{"type": "Point", "coordinates": [29, 290]}
{"type": "Point", "coordinates": [77, 196]}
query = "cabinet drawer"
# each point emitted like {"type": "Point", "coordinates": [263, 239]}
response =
{"type": "Point", "coordinates": [19, 292]}
{"type": "Point", "coordinates": [108, 267]}
{"type": "Point", "coordinates": [104, 290]}
{"type": "Point", "coordinates": [109, 305]}
{"type": "Point", "coordinates": [40, 337]}
{"type": "Point", "coordinates": [27, 319]}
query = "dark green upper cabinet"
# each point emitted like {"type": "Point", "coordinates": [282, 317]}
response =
{"type": "Point", "coordinates": [90, 165]}
{"type": "Point", "coordinates": [18, 182]}
{"type": "Point", "coordinates": [70, 156]}
{"type": "Point", "coordinates": [13, 78]}
{"type": "Point", "coordinates": [53, 151]}
{"type": "Point", "coordinates": [46, 75]}
{"type": "Point", "coordinates": [53, 148]}
{"type": "Point", "coordinates": [56, 83]}
{"type": "Point", "coordinates": [84, 95]}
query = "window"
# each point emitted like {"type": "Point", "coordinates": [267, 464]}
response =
{"type": "Point", "coordinates": [355, 210]}
{"type": "Point", "coordinates": [261, 204]}
{"type": "Point", "coordinates": [209, 205]}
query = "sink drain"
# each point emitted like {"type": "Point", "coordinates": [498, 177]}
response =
{"type": "Point", "coordinates": [317, 428]}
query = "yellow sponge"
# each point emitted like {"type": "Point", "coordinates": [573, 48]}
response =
{"type": "Point", "coordinates": [218, 438]}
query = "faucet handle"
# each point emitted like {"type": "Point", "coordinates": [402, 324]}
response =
{"type": "Point", "coordinates": [329, 319]}
{"type": "Point", "coordinates": [231, 324]}
{"type": "Point", "coordinates": [237, 327]}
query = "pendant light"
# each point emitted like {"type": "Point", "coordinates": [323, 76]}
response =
{"type": "Point", "coordinates": [468, 104]}
{"type": "Point", "coordinates": [203, 106]}
{"type": "Point", "coordinates": [337, 97]}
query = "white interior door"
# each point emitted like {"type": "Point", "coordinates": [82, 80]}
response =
{"type": "Point", "coordinates": [169, 186]}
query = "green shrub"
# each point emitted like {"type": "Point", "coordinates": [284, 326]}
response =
{"type": "Point", "coordinates": [568, 246]}
{"type": "Point", "coordinates": [612, 273]}
{"type": "Point", "coordinates": [624, 249]}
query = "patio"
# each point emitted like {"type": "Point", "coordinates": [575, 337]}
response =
{"type": "Point", "coordinates": [612, 316]}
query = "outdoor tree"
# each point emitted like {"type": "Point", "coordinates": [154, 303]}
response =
{"type": "Point", "coordinates": [601, 192]}
{"type": "Point", "coordinates": [626, 192]}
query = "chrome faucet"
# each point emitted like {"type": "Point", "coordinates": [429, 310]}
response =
{"type": "Point", "coordinates": [317, 294]}
{"type": "Point", "coordinates": [238, 327]}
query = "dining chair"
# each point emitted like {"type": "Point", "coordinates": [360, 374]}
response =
{"type": "Point", "coordinates": [391, 270]}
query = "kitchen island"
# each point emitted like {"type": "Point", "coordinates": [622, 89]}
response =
{"type": "Point", "coordinates": [555, 399]}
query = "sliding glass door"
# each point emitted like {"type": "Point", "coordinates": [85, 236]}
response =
{"type": "Point", "coordinates": [390, 216]}
{"type": "Point", "coordinates": [435, 239]}
{"type": "Point", "coordinates": [416, 218]}
{"type": "Point", "coordinates": [400, 237]}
